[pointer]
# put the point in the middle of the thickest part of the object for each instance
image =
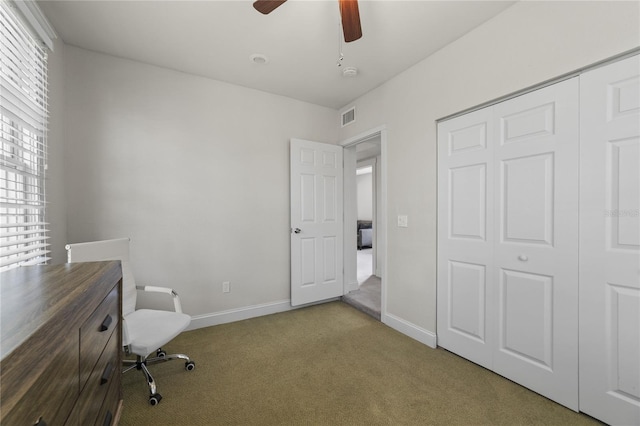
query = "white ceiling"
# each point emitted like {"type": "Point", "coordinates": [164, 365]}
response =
{"type": "Point", "coordinates": [301, 39]}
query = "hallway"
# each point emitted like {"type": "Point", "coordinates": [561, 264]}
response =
{"type": "Point", "coordinates": [368, 296]}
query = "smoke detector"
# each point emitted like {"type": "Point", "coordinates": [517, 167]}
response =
{"type": "Point", "coordinates": [350, 72]}
{"type": "Point", "coordinates": [259, 58]}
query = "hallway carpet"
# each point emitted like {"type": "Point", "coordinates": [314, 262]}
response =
{"type": "Point", "coordinates": [328, 365]}
{"type": "Point", "coordinates": [367, 298]}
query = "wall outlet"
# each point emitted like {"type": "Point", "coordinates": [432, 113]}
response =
{"type": "Point", "coordinates": [403, 221]}
{"type": "Point", "coordinates": [226, 287]}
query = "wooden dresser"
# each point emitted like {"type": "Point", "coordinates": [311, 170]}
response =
{"type": "Point", "coordinates": [61, 345]}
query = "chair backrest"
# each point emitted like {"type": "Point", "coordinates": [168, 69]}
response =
{"type": "Point", "coordinates": [117, 249]}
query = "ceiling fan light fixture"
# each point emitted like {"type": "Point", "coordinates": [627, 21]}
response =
{"type": "Point", "coordinates": [259, 58]}
{"type": "Point", "coordinates": [350, 72]}
{"type": "Point", "coordinates": [349, 15]}
{"type": "Point", "coordinates": [267, 6]}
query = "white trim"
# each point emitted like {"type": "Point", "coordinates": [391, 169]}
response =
{"type": "Point", "coordinates": [405, 327]}
{"type": "Point", "coordinates": [349, 217]}
{"type": "Point", "coordinates": [239, 314]}
{"type": "Point", "coordinates": [246, 312]}
{"type": "Point", "coordinates": [383, 230]}
{"type": "Point", "coordinates": [37, 20]}
{"type": "Point", "coordinates": [361, 137]}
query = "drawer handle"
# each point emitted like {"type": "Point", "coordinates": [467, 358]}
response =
{"type": "Point", "coordinates": [106, 323]}
{"type": "Point", "coordinates": [40, 422]}
{"type": "Point", "coordinates": [107, 419]}
{"type": "Point", "coordinates": [106, 374]}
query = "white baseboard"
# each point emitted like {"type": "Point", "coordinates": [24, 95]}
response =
{"type": "Point", "coordinates": [207, 320]}
{"type": "Point", "coordinates": [418, 333]}
{"type": "Point", "coordinates": [247, 312]}
{"type": "Point", "coordinates": [232, 315]}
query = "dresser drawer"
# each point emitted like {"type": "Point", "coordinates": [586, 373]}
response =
{"type": "Point", "coordinates": [54, 392]}
{"type": "Point", "coordinates": [110, 408]}
{"type": "Point", "coordinates": [106, 372]}
{"type": "Point", "coordinates": [95, 332]}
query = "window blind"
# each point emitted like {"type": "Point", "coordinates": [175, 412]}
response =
{"type": "Point", "coordinates": [23, 139]}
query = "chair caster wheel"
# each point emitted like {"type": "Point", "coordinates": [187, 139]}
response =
{"type": "Point", "coordinates": [155, 399]}
{"type": "Point", "coordinates": [160, 353]}
{"type": "Point", "coordinates": [189, 365]}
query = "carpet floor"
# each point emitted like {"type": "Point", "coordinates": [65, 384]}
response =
{"type": "Point", "coordinates": [328, 365]}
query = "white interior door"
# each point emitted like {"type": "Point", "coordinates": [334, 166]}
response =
{"type": "Point", "coordinates": [610, 243]}
{"type": "Point", "coordinates": [316, 222]}
{"type": "Point", "coordinates": [508, 239]}
{"type": "Point", "coordinates": [536, 241]}
{"type": "Point", "coordinates": [465, 236]}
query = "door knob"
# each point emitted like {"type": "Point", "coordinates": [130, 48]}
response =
{"type": "Point", "coordinates": [297, 230]}
{"type": "Point", "coordinates": [523, 257]}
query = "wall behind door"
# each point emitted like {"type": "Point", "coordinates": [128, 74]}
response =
{"type": "Point", "coordinates": [194, 170]}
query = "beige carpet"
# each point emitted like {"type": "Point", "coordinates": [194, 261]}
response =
{"type": "Point", "coordinates": [328, 365]}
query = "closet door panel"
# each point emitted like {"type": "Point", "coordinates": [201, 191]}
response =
{"type": "Point", "coordinates": [609, 245]}
{"type": "Point", "coordinates": [536, 246]}
{"type": "Point", "coordinates": [526, 317]}
{"type": "Point", "coordinates": [468, 202]}
{"type": "Point", "coordinates": [465, 236]}
{"type": "Point", "coordinates": [527, 190]}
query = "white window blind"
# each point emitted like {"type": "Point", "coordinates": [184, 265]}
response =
{"type": "Point", "coordinates": [23, 139]}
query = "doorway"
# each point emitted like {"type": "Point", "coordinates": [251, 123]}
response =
{"type": "Point", "coordinates": [365, 249]}
{"type": "Point", "coordinates": [366, 191]}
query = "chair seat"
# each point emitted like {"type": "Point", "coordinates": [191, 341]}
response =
{"type": "Point", "coordinates": [149, 330]}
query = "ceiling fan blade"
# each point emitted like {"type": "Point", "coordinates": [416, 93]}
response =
{"type": "Point", "coordinates": [267, 6]}
{"type": "Point", "coordinates": [350, 20]}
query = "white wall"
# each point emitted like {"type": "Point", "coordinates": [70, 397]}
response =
{"type": "Point", "coordinates": [365, 196]}
{"type": "Point", "coordinates": [194, 170]}
{"type": "Point", "coordinates": [527, 44]}
{"type": "Point", "coordinates": [55, 186]}
{"type": "Point", "coordinates": [379, 232]}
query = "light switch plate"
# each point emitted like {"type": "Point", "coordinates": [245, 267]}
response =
{"type": "Point", "coordinates": [403, 221]}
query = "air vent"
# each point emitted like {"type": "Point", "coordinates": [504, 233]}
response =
{"type": "Point", "coordinates": [349, 116]}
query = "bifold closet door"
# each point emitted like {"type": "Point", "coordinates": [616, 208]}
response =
{"type": "Point", "coordinates": [507, 239]}
{"type": "Point", "coordinates": [465, 236]}
{"type": "Point", "coordinates": [536, 242]}
{"type": "Point", "coordinates": [610, 243]}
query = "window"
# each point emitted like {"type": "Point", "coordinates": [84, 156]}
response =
{"type": "Point", "coordinates": [23, 141]}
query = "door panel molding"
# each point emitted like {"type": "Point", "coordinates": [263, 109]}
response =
{"type": "Point", "coordinates": [316, 222]}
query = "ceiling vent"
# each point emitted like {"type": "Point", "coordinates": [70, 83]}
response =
{"type": "Point", "coordinates": [349, 116]}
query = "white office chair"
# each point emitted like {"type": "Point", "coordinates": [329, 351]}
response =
{"type": "Point", "coordinates": [144, 331]}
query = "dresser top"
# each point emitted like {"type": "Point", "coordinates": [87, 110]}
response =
{"type": "Point", "coordinates": [32, 296]}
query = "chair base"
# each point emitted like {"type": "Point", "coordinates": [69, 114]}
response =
{"type": "Point", "coordinates": [140, 363]}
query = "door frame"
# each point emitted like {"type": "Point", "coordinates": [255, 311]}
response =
{"type": "Point", "coordinates": [350, 216]}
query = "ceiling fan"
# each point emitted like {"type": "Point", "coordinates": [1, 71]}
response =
{"type": "Point", "coordinates": [348, 11]}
